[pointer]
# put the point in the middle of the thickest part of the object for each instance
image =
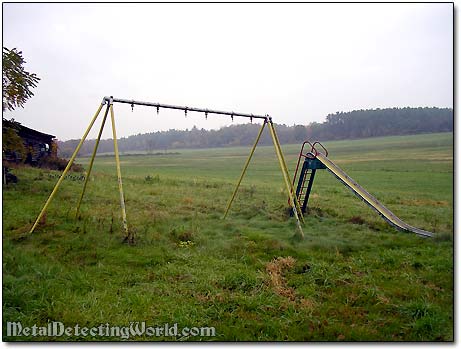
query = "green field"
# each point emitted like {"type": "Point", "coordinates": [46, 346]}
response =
{"type": "Point", "coordinates": [352, 278]}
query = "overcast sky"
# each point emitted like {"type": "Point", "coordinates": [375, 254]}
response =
{"type": "Point", "coordinates": [295, 62]}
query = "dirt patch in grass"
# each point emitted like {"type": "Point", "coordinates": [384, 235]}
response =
{"type": "Point", "coordinates": [376, 226]}
{"type": "Point", "coordinates": [188, 200]}
{"type": "Point", "coordinates": [356, 220]}
{"type": "Point", "coordinates": [276, 269]}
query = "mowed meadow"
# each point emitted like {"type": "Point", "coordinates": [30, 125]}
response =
{"type": "Point", "coordinates": [353, 277]}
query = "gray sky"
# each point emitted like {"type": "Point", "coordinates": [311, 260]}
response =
{"type": "Point", "coordinates": [296, 62]}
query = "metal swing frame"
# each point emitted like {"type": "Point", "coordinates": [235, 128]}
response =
{"type": "Point", "coordinates": [109, 103]}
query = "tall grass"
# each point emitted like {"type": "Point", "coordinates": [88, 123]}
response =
{"type": "Point", "coordinates": [352, 278]}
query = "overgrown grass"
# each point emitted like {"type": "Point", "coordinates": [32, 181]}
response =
{"type": "Point", "coordinates": [352, 278]}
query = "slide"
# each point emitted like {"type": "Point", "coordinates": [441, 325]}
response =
{"type": "Point", "coordinates": [370, 199]}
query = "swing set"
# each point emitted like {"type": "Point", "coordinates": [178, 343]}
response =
{"type": "Point", "coordinates": [109, 103]}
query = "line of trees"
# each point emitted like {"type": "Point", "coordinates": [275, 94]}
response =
{"type": "Point", "coordinates": [384, 122]}
{"type": "Point", "coordinates": [341, 125]}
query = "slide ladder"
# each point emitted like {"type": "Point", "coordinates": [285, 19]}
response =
{"type": "Point", "coordinates": [307, 173]}
{"type": "Point", "coordinates": [316, 160]}
{"type": "Point", "coordinates": [304, 187]}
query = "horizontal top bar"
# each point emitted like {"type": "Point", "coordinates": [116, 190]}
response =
{"type": "Point", "coordinates": [177, 107]}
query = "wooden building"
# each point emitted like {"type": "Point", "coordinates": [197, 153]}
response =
{"type": "Point", "coordinates": [36, 144]}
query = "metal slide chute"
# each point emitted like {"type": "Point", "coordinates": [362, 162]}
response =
{"type": "Point", "coordinates": [358, 190]}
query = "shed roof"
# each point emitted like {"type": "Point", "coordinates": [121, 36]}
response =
{"type": "Point", "coordinates": [27, 130]}
{"type": "Point", "coordinates": [23, 130]}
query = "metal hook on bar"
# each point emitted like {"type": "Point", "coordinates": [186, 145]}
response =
{"type": "Point", "coordinates": [206, 115]}
{"type": "Point", "coordinates": [132, 106]}
{"type": "Point", "coordinates": [158, 109]}
{"type": "Point", "coordinates": [185, 112]}
{"type": "Point", "coordinates": [232, 116]}
{"type": "Point", "coordinates": [178, 107]}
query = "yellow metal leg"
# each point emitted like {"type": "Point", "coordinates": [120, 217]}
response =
{"type": "Point", "coordinates": [69, 164]}
{"type": "Point", "coordinates": [119, 174]}
{"type": "Point", "coordinates": [279, 153]}
{"type": "Point", "coordinates": [92, 161]}
{"type": "Point", "coordinates": [244, 169]}
{"type": "Point", "coordinates": [285, 168]}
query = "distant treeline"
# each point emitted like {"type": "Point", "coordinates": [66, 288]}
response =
{"type": "Point", "coordinates": [342, 125]}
